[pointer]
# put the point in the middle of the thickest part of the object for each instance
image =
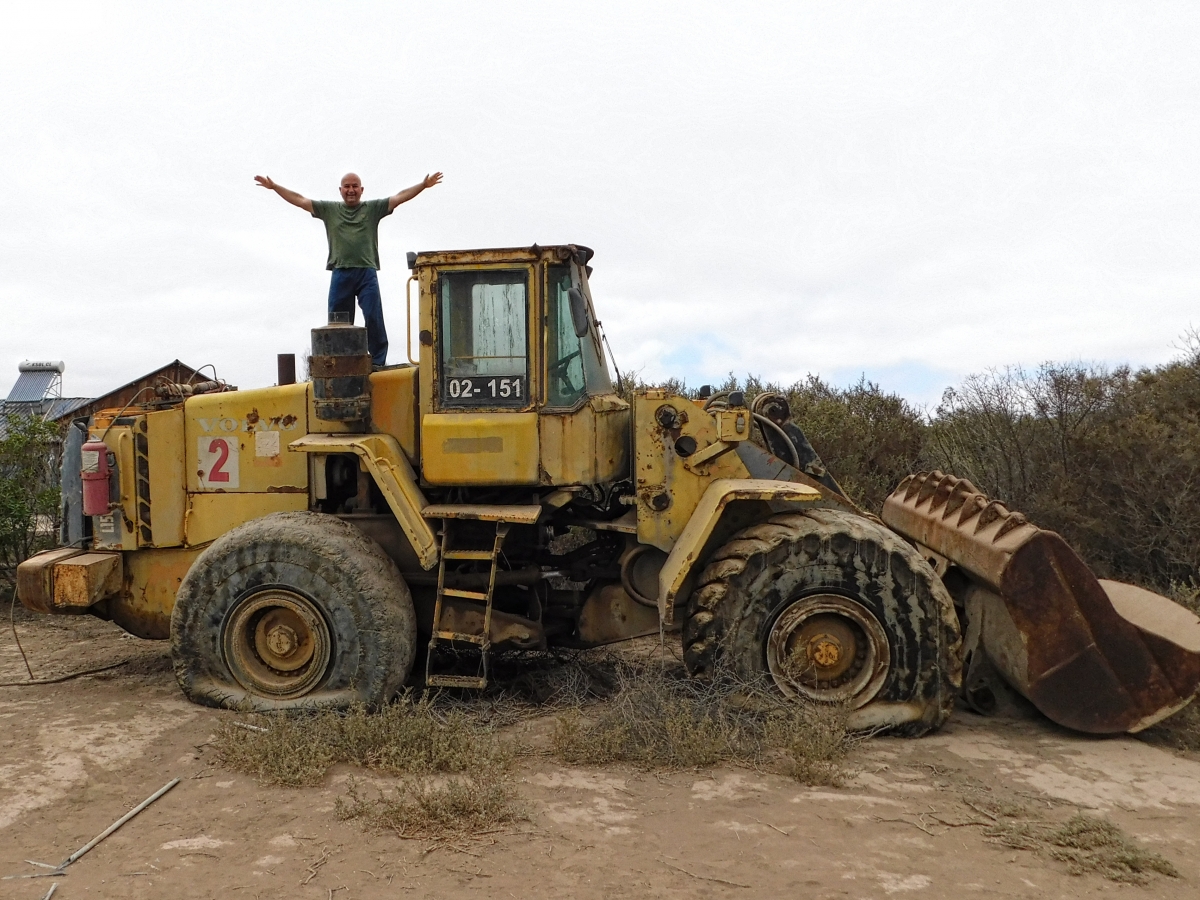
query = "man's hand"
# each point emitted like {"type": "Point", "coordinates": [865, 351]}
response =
{"type": "Point", "coordinates": [408, 193]}
{"type": "Point", "coordinates": [290, 196]}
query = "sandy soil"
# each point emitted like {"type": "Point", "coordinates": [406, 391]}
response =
{"type": "Point", "coordinates": [76, 756]}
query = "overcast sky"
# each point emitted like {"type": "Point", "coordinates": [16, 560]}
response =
{"type": "Point", "coordinates": [907, 190]}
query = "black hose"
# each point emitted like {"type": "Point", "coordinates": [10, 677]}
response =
{"type": "Point", "coordinates": [763, 420]}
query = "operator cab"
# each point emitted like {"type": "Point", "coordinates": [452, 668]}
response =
{"type": "Point", "coordinates": [514, 388]}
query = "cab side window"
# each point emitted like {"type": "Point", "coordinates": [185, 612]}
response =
{"type": "Point", "coordinates": [564, 349]}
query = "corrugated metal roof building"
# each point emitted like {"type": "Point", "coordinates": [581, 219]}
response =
{"type": "Point", "coordinates": [38, 390]}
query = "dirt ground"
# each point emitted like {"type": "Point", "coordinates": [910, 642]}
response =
{"type": "Point", "coordinates": [75, 756]}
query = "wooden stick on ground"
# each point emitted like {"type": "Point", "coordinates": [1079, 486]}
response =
{"type": "Point", "coordinates": [117, 824]}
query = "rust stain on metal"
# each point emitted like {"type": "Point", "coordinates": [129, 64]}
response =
{"type": "Point", "coordinates": [252, 417]}
{"type": "Point", "coordinates": [85, 579]}
{"type": "Point", "coordinates": [35, 578]}
{"type": "Point", "coordinates": [339, 366]}
{"type": "Point", "coordinates": [286, 489]}
{"type": "Point", "coordinates": [1084, 665]}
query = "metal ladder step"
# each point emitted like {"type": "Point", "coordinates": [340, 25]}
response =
{"type": "Point", "coordinates": [499, 515]}
{"type": "Point", "coordinates": [456, 681]}
{"type": "Point", "coordinates": [459, 636]}
{"type": "Point", "coordinates": [469, 554]}
{"type": "Point", "coordinates": [466, 595]}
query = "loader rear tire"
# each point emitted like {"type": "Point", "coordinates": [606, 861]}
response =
{"type": "Point", "coordinates": [829, 606]}
{"type": "Point", "coordinates": [293, 611]}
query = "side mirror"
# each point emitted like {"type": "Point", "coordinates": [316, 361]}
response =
{"type": "Point", "coordinates": [579, 311]}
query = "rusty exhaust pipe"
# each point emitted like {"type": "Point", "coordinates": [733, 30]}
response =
{"type": "Point", "coordinates": [286, 364]}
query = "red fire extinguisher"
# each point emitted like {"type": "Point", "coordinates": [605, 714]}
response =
{"type": "Point", "coordinates": [95, 473]}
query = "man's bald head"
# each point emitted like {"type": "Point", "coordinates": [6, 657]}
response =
{"type": "Point", "coordinates": [351, 189]}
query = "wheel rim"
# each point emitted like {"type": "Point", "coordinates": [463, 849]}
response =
{"type": "Point", "coordinates": [276, 643]}
{"type": "Point", "coordinates": [828, 648]}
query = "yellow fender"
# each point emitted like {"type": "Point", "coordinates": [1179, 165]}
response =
{"type": "Point", "coordinates": [693, 542]}
{"type": "Point", "coordinates": [397, 482]}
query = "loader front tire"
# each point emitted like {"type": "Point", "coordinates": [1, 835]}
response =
{"type": "Point", "coordinates": [293, 611]}
{"type": "Point", "coordinates": [829, 606]}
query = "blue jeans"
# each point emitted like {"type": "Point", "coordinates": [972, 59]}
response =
{"type": "Point", "coordinates": [344, 286]}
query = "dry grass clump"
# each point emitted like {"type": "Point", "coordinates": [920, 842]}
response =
{"type": "Point", "coordinates": [1087, 845]}
{"type": "Point", "coordinates": [409, 737]}
{"type": "Point", "coordinates": [1186, 594]}
{"type": "Point", "coordinates": [456, 770]}
{"type": "Point", "coordinates": [533, 684]}
{"type": "Point", "coordinates": [659, 718]}
{"type": "Point", "coordinates": [436, 808]}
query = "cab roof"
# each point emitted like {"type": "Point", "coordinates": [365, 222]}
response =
{"type": "Point", "coordinates": [535, 253]}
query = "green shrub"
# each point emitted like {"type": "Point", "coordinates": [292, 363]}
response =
{"type": "Point", "coordinates": [29, 495]}
{"type": "Point", "coordinates": [1109, 459]}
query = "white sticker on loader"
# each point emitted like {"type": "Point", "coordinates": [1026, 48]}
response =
{"type": "Point", "coordinates": [218, 463]}
{"type": "Point", "coordinates": [266, 443]}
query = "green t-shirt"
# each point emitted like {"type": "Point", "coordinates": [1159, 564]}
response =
{"type": "Point", "coordinates": [353, 232]}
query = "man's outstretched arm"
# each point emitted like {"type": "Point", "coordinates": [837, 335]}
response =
{"type": "Point", "coordinates": [290, 196]}
{"type": "Point", "coordinates": [408, 193]}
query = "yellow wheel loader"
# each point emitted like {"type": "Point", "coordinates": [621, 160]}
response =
{"type": "Point", "coordinates": [326, 543]}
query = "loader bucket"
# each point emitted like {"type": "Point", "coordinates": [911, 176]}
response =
{"type": "Point", "coordinates": [1096, 656]}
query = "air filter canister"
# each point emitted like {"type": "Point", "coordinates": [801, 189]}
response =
{"type": "Point", "coordinates": [340, 367]}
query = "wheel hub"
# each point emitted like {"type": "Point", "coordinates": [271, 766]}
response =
{"type": "Point", "coordinates": [828, 648]}
{"type": "Point", "coordinates": [276, 643]}
{"type": "Point", "coordinates": [824, 651]}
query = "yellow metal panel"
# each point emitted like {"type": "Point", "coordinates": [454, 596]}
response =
{"type": "Point", "coordinates": [732, 424]}
{"type": "Point", "coordinates": [236, 442]}
{"type": "Point", "coordinates": [168, 496]}
{"type": "Point", "coordinates": [589, 445]}
{"type": "Point", "coordinates": [479, 448]}
{"type": "Point", "coordinates": [426, 278]}
{"type": "Point", "coordinates": [152, 579]}
{"type": "Point", "coordinates": [116, 530]}
{"type": "Point", "coordinates": [394, 407]}
{"type": "Point", "coordinates": [396, 480]}
{"type": "Point", "coordinates": [668, 491]}
{"type": "Point", "coordinates": [705, 516]}
{"type": "Point", "coordinates": [211, 515]}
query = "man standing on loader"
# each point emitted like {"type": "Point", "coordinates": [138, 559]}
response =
{"type": "Point", "coordinates": [352, 228]}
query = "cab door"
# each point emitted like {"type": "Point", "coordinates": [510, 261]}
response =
{"type": "Point", "coordinates": [481, 424]}
{"type": "Point", "coordinates": [584, 426]}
